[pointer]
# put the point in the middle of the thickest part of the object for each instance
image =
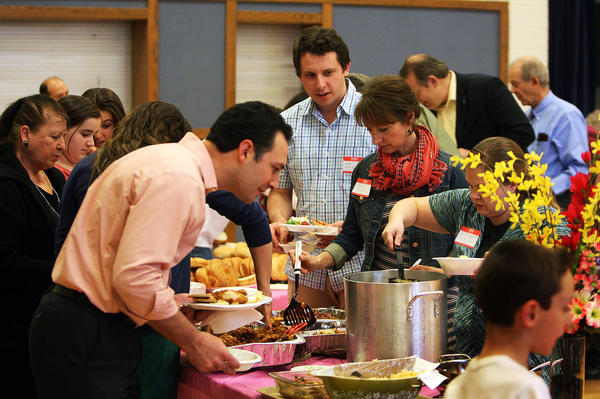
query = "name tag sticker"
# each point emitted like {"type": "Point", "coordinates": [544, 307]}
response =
{"type": "Point", "coordinates": [362, 188]}
{"type": "Point", "coordinates": [350, 163]}
{"type": "Point", "coordinates": [467, 237]}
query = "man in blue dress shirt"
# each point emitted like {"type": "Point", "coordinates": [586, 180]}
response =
{"type": "Point", "coordinates": [560, 129]}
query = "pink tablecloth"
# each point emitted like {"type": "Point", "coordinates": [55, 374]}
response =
{"type": "Point", "coordinates": [279, 294]}
{"type": "Point", "coordinates": [194, 385]}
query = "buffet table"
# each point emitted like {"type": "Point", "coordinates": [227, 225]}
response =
{"type": "Point", "coordinates": [194, 385]}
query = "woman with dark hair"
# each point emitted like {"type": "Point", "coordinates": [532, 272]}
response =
{"type": "Point", "coordinates": [31, 141]}
{"type": "Point", "coordinates": [475, 225]}
{"type": "Point", "coordinates": [111, 112]}
{"type": "Point", "coordinates": [153, 122]}
{"type": "Point", "coordinates": [83, 124]}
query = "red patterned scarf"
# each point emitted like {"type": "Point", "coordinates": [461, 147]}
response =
{"type": "Point", "coordinates": [405, 174]}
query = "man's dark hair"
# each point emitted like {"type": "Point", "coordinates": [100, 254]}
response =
{"type": "Point", "coordinates": [514, 272]}
{"type": "Point", "coordinates": [252, 120]}
{"type": "Point", "coordinates": [423, 65]}
{"type": "Point", "coordinates": [317, 40]}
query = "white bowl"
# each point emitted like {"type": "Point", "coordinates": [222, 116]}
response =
{"type": "Point", "coordinates": [459, 266]}
{"type": "Point", "coordinates": [247, 359]}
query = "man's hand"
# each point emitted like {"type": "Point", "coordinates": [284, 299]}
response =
{"type": "Point", "coordinates": [209, 354]}
{"type": "Point", "coordinates": [204, 351]}
{"type": "Point", "coordinates": [311, 263]}
{"type": "Point", "coordinates": [463, 152]}
{"type": "Point", "coordinates": [326, 240]}
{"type": "Point", "coordinates": [279, 234]}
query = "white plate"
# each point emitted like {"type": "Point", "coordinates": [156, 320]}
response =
{"type": "Point", "coordinates": [247, 359]}
{"type": "Point", "coordinates": [303, 228]}
{"type": "Point", "coordinates": [459, 266]}
{"type": "Point", "coordinates": [226, 306]}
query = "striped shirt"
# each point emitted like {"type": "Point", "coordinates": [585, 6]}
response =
{"type": "Point", "coordinates": [315, 171]}
{"type": "Point", "coordinates": [384, 259]}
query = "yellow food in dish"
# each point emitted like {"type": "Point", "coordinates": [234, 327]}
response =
{"type": "Point", "coordinates": [397, 376]}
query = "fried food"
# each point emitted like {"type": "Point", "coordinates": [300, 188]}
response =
{"type": "Point", "coordinates": [208, 279]}
{"type": "Point", "coordinates": [246, 267]}
{"type": "Point", "coordinates": [225, 276]}
{"type": "Point", "coordinates": [254, 334]}
{"type": "Point", "coordinates": [231, 296]}
{"type": "Point", "coordinates": [198, 262]}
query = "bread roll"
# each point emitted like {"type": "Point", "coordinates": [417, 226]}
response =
{"type": "Point", "coordinates": [242, 250]}
{"type": "Point", "coordinates": [223, 251]}
{"type": "Point", "coordinates": [198, 262]}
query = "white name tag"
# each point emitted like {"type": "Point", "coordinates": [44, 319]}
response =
{"type": "Point", "coordinates": [350, 163]}
{"type": "Point", "coordinates": [467, 237]}
{"type": "Point", "coordinates": [362, 188]}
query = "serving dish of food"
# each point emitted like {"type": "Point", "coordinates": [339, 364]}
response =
{"type": "Point", "coordinates": [461, 266]}
{"type": "Point", "coordinates": [299, 385]}
{"type": "Point", "coordinates": [329, 341]}
{"type": "Point", "coordinates": [390, 378]}
{"type": "Point", "coordinates": [274, 348]}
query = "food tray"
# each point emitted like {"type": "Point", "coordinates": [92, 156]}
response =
{"type": "Point", "coordinates": [320, 343]}
{"type": "Point", "coordinates": [273, 353]}
{"type": "Point", "coordinates": [341, 385]}
{"type": "Point", "coordinates": [330, 314]}
{"type": "Point", "coordinates": [290, 388]}
{"type": "Point", "coordinates": [326, 324]}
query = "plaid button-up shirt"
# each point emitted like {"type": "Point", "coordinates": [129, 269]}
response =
{"type": "Point", "coordinates": [315, 171]}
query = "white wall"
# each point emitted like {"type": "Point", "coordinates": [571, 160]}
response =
{"type": "Point", "coordinates": [527, 29]}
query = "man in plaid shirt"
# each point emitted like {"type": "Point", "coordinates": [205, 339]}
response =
{"type": "Point", "coordinates": [326, 145]}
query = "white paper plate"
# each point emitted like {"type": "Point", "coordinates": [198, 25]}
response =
{"type": "Point", "coordinates": [459, 266]}
{"type": "Point", "coordinates": [227, 307]}
{"type": "Point", "coordinates": [247, 359]}
{"type": "Point", "coordinates": [302, 228]}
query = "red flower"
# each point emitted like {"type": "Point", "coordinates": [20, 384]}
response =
{"type": "Point", "coordinates": [587, 158]}
{"type": "Point", "coordinates": [570, 241]}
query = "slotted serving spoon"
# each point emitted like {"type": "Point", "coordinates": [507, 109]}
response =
{"type": "Point", "coordinates": [297, 312]}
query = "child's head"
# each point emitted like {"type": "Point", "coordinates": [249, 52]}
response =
{"type": "Point", "coordinates": [527, 286]}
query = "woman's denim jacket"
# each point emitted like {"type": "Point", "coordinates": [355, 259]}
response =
{"type": "Point", "coordinates": [363, 220]}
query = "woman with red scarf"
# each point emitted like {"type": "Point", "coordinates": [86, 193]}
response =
{"type": "Point", "coordinates": [408, 163]}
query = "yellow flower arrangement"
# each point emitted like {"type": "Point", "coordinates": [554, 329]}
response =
{"type": "Point", "coordinates": [531, 205]}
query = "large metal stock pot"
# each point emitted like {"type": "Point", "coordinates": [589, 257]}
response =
{"type": "Point", "coordinates": [387, 320]}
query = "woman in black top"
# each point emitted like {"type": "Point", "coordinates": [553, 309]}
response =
{"type": "Point", "coordinates": [31, 140]}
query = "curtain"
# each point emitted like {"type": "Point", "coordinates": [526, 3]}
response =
{"type": "Point", "coordinates": [572, 58]}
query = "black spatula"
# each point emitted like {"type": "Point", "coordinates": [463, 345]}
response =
{"type": "Point", "coordinates": [297, 312]}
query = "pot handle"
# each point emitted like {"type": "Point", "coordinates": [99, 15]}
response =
{"type": "Point", "coordinates": [437, 299]}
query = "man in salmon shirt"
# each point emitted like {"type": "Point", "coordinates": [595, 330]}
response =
{"type": "Point", "coordinates": [138, 219]}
